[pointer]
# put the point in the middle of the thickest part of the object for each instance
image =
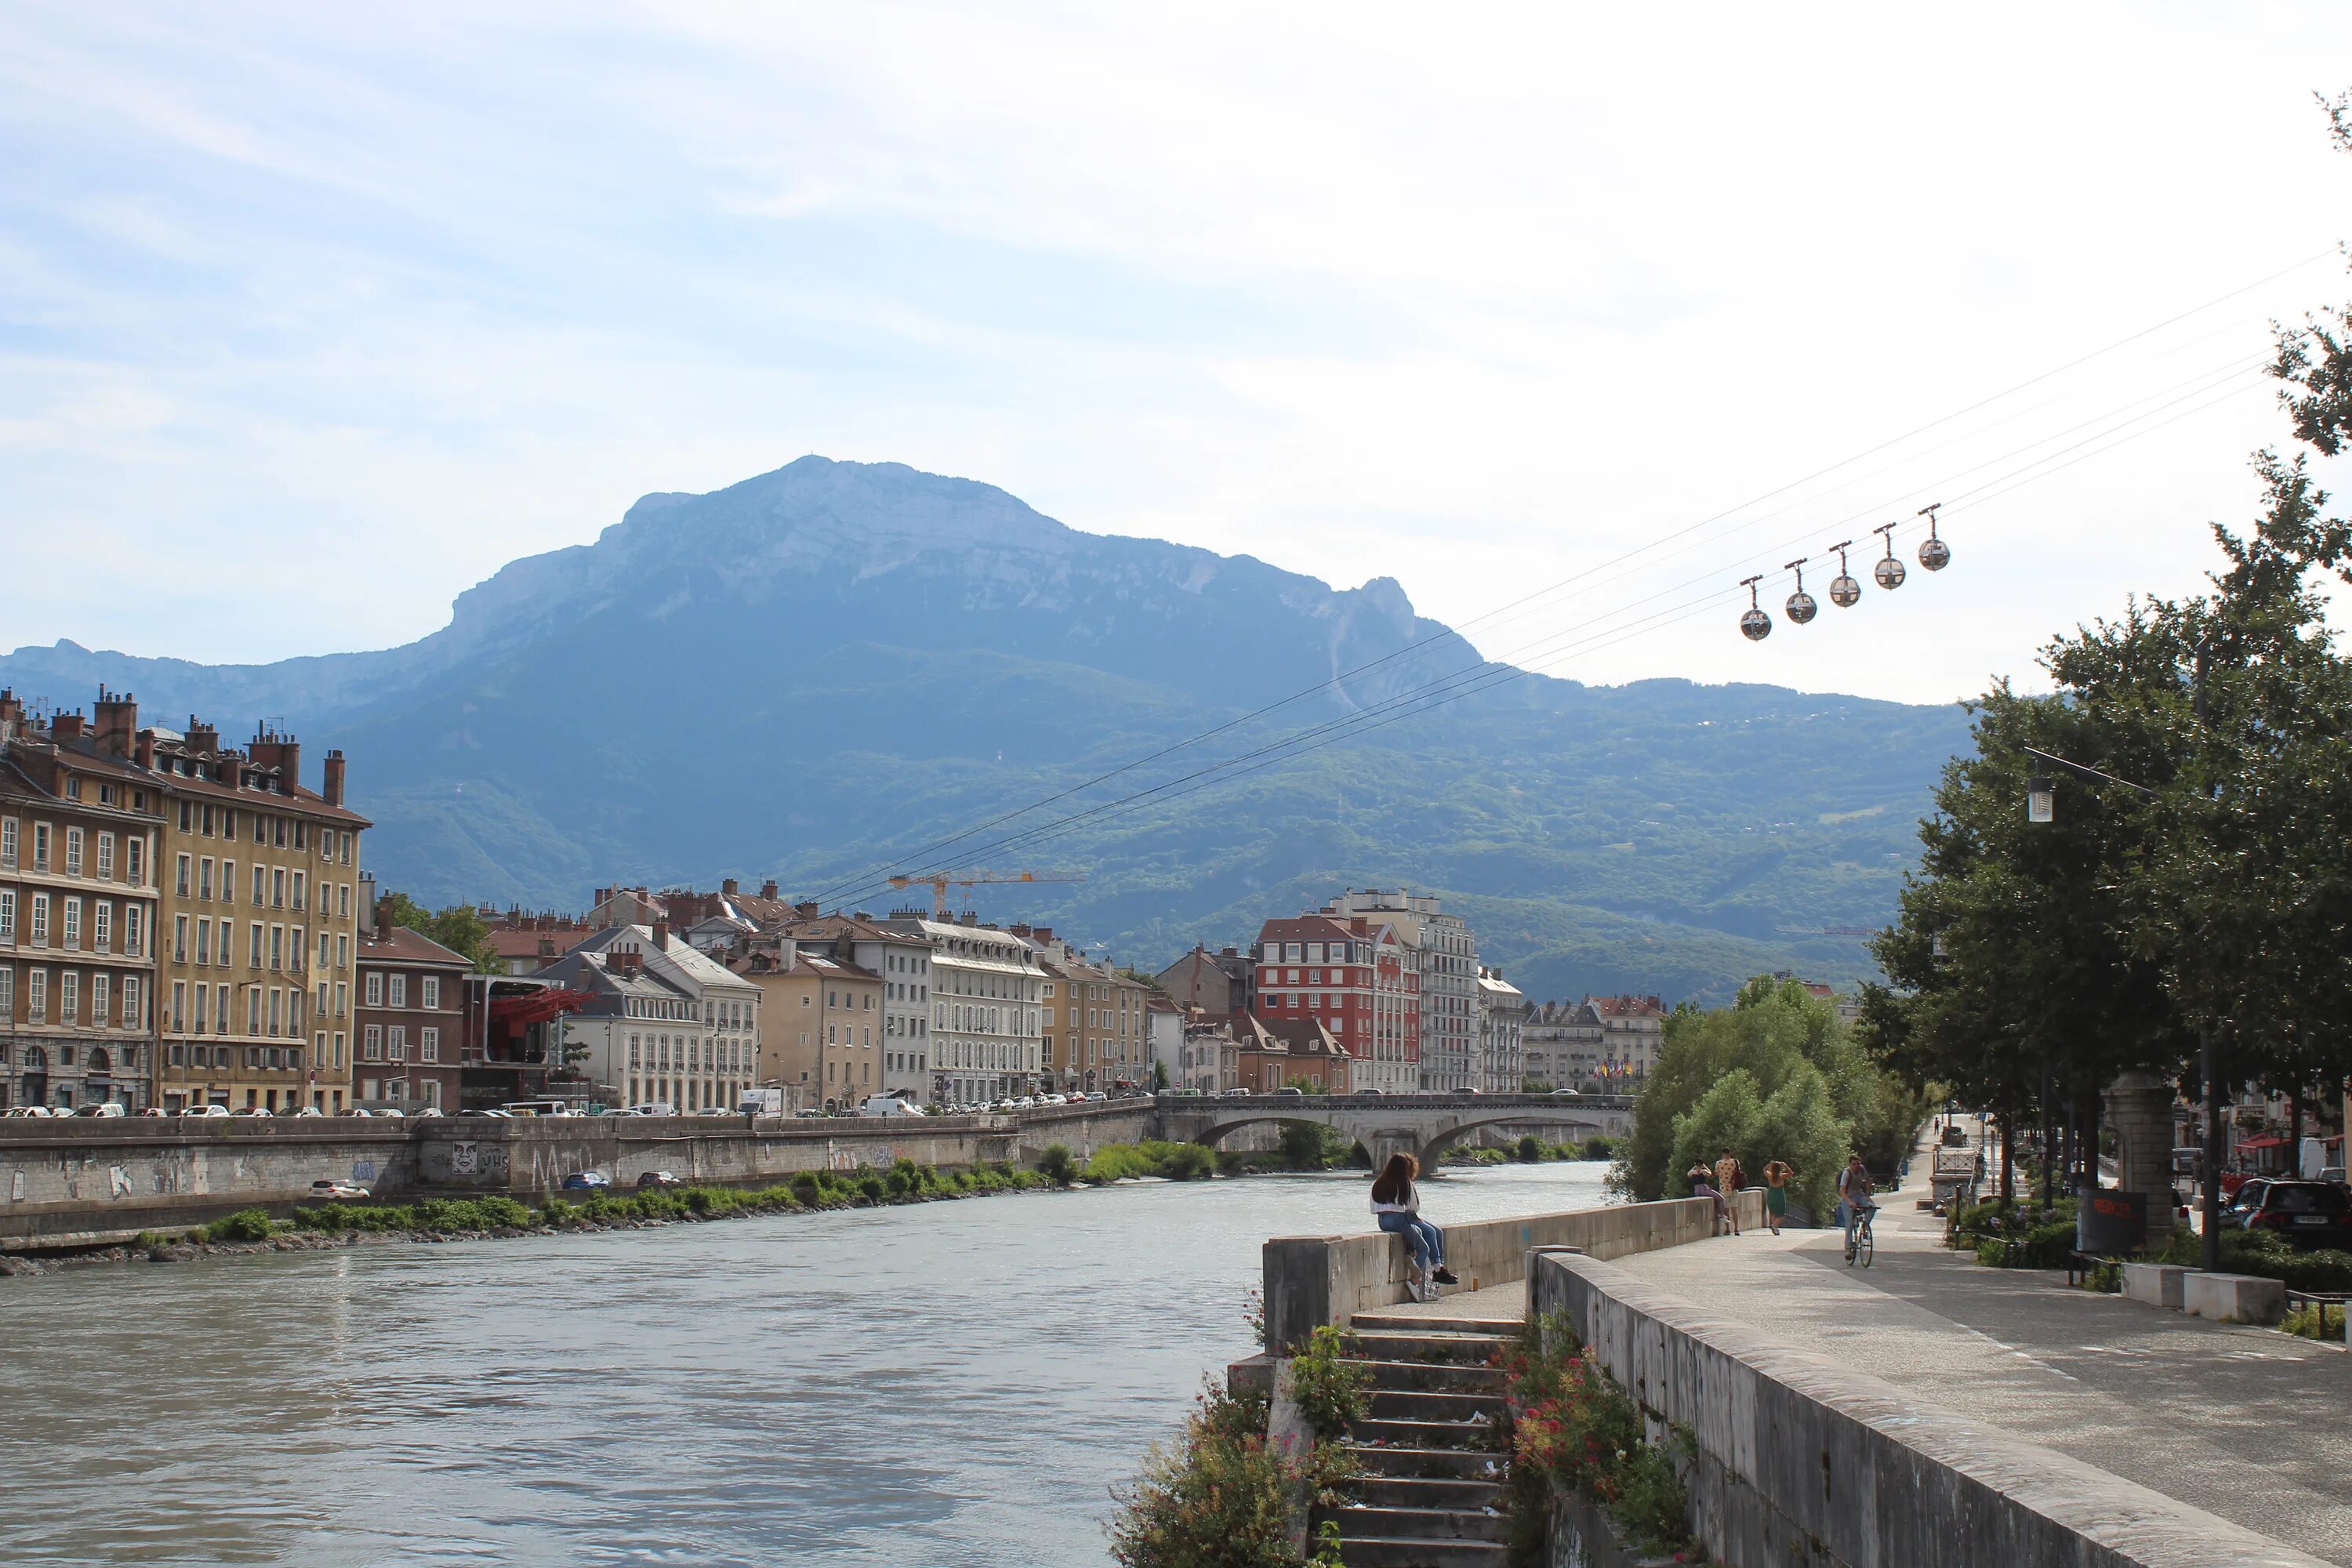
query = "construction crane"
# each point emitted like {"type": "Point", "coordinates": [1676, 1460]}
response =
{"type": "Point", "coordinates": [938, 885]}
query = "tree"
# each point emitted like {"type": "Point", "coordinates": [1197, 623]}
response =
{"type": "Point", "coordinates": [459, 927]}
{"type": "Point", "coordinates": [1159, 1075]}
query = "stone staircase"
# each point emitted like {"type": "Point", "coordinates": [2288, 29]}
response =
{"type": "Point", "coordinates": [1432, 1495]}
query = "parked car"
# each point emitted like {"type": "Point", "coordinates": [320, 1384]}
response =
{"type": "Point", "coordinates": [334, 1191]}
{"type": "Point", "coordinates": [206, 1110]}
{"type": "Point", "coordinates": [310, 1110]}
{"type": "Point", "coordinates": [1291, 1089]}
{"type": "Point", "coordinates": [586, 1182]}
{"type": "Point", "coordinates": [2237, 1204]}
{"type": "Point", "coordinates": [104, 1108]}
{"type": "Point", "coordinates": [415, 1111]}
{"type": "Point", "coordinates": [718, 1111]}
{"type": "Point", "coordinates": [1057, 1099]}
{"type": "Point", "coordinates": [253, 1111]}
{"type": "Point", "coordinates": [2303, 1214]}
{"type": "Point", "coordinates": [659, 1179]}
{"type": "Point", "coordinates": [493, 1115]}
{"type": "Point", "coordinates": [1564, 1094]}
{"type": "Point", "coordinates": [2333, 1173]}
{"type": "Point", "coordinates": [1096, 1097]}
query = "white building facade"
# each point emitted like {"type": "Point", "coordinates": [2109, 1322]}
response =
{"type": "Point", "coordinates": [1502, 1026]}
{"type": "Point", "coordinates": [1444, 954]}
{"type": "Point", "coordinates": [686, 1029]}
{"type": "Point", "coordinates": [987, 1016]}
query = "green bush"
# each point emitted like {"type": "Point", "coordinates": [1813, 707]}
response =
{"type": "Point", "coordinates": [1327, 1386]}
{"type": "Point", "coordinates": [872, 1188]}
{"type": "Point", "coordinates": [1531, 1149]}
{"type": "Point", "coordinates": [1574, 1429]}
{"type": "Point", "coordinates": [1191, 1162]}
{"type": "Point", "coordinates": [245, 1225]}
{"type": "Point", "coordinates": [1220, 1496]}
{"type": "Point", "coordinates": [1057, 1166]}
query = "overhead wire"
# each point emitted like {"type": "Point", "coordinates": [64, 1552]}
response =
{"type": "Point", "coordinates": [1506, 610]}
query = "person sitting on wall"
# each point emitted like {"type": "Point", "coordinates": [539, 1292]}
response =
{"type": "Point", "coordinates": [1702, 1181]}
{"type": "Point", "coordinates": [1396, 1208]}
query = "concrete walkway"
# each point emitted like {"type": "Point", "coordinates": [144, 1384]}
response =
{"type": "Point", "coordinates": [2248, 1424]}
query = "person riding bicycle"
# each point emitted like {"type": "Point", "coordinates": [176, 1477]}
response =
{"type": "Point", "coordinates": [1853, 1198]}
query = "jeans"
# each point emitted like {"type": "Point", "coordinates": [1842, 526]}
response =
{"type": "Point", "coordinates": [1854, 1213]}
{"type": "Point", "coordinates": [1427, 1242]}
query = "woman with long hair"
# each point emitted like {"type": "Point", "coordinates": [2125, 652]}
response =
{"type": "Point", "coordinates": [1396, 1208]}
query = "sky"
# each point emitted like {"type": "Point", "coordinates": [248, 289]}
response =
{"type": "Point", "coordinates": [1566, 317]}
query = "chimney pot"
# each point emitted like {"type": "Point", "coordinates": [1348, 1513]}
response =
{"type": "Point", "coordinates": [768, 889]}
{"type": "Point", "coordinates": [728, 887]}
{"type": "Point", "coordinates": [661, 935]}
{"type": "Point", "coordinates": [331, 787]}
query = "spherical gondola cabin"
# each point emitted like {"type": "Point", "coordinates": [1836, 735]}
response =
{"type": "Point", "coordinates": [1843, 590]}
{"type": "Point", "coordinates": [1802, 607]}
{"type": "Point", "coordinates": [1887, 572]}
{"type": "Point", "coordinates": [1755, 624]}
{"type": "Point", "coordinates": [1933, 553]}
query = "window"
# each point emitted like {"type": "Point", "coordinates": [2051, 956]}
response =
{"type": "Point", "coordinates": [346, 856]}
{"type": "Point", "coordinates": [374, 989]}
{"type": "Point", "coordinates": [371, 1044]}
{"type": "Point", "coordinates": [396, 991]}
{"type": "Point", "coordinates": [7, 914]}
{"type": "Point", "coordinates": [633, 1052]}
{"type": "Point", "coordinates": [277, 947]}
{"type": "Point", "coordinates": [134, 936]}
{"type": "Point", "coordinates": [36, 996]}
{"type": "Point", "coordinates": [134, 861]}
{"type": "Point", "coordinates": [100, 986]}
{"type": "Point", "coordinates": [253, 1010]}
{"type": "Point", "coordinates": [396, 1043]}
{"type": "Point", "coordinates": [228, 881]}
{"type": "Point", "coordinates": [260, 884]}
{"type": "Point", "coordinates": [105, 857]}
{"type": "Point", "coordinates": [204, 879]}
{"type": "Point", "coordinates": [342, 997]}
{"type": "Point", "coordinates": [40, 936]}
{"type": "Point", "coordinates": [277, 889]}
{"type": "Point", "coordinates": [428, 1045]}
{"type": "Point", "coordinates": [70, 997]}
{"type": "Point", "coordinates": [101, 926]}
{"type": "Point", "coordinates": [204, 941]}
{"type": "Point", "coordinates": [7, 993]}
{"type": "Point", "coordinates": [343, 897]}
{"type": "Point", "coordinates": [297, 894]}
{"type": "Point", "coordinates": [130, 1015]}
{"type": "Point", "coordinates": [253, 948]}
{"type": "Point", "coordinates": [181, 885]}
{"type": "Point", "coordinates": [8, 841]}
{"type": "Point", "coordinates": [73, 851]}
{"type": "Point", "coordinates": [428, 991]}
{"type": "Point", "coordinates": [338, 1050]}
{"type": "Point", "coordinates": [294, 948]}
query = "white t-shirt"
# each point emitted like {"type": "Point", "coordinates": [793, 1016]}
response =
{"type": "Point", "coordinates": [1409, 1205]}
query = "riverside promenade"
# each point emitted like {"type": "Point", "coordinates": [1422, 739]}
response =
{"type": "Point", "coordinates": [2247, 1424]}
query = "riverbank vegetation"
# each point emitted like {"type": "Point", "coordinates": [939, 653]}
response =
{"type": "Point", "coordinates": [1571, 1430]}
{"type": "Point", "coordinates": [1775, 1076]}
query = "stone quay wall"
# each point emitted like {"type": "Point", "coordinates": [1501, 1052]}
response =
{"type": "Point", "coordinates": [1799, 1462]}
{"type": "Point", "coordinates": [1315, 1279]}
{"type": "Point", "coordinates": [83, 1182]}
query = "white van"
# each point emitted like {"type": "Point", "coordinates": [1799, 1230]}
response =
{"type": "Point", "coordinates": [890, 1105]}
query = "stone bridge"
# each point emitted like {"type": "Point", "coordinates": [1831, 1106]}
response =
{"type": "Point", "coordinates": [1422, 1125]}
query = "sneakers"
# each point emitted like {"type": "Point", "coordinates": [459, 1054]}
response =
{"type": "Point", "coordinates": [1420, 1292]}
{"type": "Point", "coordinates": [1445, 1276]}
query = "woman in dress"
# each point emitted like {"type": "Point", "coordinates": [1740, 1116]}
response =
{"type": "Point", "coordinates": [1776, 1177]}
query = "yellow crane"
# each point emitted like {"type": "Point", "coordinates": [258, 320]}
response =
{"type": "Point", "coordinates": [939, 884]}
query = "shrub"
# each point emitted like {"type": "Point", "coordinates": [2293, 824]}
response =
{"type": "Point", "coordinates": [1327, 1386]}
{"type": "Point", "coordinates": [1219, 1496]}
{"type": "Point", "coordinates": [872, 1188]}
{"type": "Point", "coordinates": [1601, 1147]}
{"type": "Point", "coordinates": [1191, 1162]}
{"type": "Point", "coordinates": [806, 1188]}
{"type": "Point", "coordinates": [245, 1225]}
{"type": "Point", "coordinates": [1056, 1165]}
{"type": "Point", "coordinates": [1572, 1428]}
{"type": "Point", "coordinates": [1530, 1149]}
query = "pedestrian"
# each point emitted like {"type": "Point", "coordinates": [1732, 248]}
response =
{"type": "Point", "coordinates": [1702, 1181]}
{"type": "Point", "coordinates": [1728, 1179]}
{"type": "Point", "coordinates": [1396, 1209]}
{"type": "Point", "coordinates": [1776, 1177]}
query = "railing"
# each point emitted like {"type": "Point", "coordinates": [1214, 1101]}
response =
{"type": "Point", "coordinates": [2323, 1299]}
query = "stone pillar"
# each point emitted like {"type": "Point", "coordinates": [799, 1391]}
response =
{"type": "Point", "coordinates": [2138, 1106]}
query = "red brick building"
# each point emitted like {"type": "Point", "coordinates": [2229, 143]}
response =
{"type": "Point", "coordinates": [1354, 978]}
{"type": "Point", "coordinates": [410, 1021]}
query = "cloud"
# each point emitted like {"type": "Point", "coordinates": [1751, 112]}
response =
{"type": "Point", "coordinates": [387, 298]}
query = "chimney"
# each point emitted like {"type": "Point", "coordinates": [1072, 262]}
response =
{"type": "Point", "coordinates": [145, 754]}
{"type": "Point", "coordinates": [12, 708]}
{"type": "Point", "coordinates": [283, 752]}
{"type": "Point", "coordinates": [730, 888]}
{"type": "Point", "coordinates": [661, 935]}
{"type": "Point", "coordinates": [1020, 931]}
{"type": "Point", "coordinates": [332, 786]}
{"type": "Point", "coordinates": [66, 726]}
{"type": "Point", "coordinates": [117, 716]}
{"type": "Point", "coordinates": [768, 889]}
{"type": "Point", "coordinates": [203, 739]}
{"type": "Point", "coordinates": [382, 917]}
{"type": "Point", "coordinates": [1045, 934]}
{"type": "Point", "coordinates": [806, 910]}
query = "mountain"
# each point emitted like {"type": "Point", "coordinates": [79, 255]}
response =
{"type": "Point", "coordinates": [830, 667]}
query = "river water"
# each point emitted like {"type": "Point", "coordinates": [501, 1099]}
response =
{"type": "Point", "coordinates": [950, 1384]}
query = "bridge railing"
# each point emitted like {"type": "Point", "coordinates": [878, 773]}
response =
{"type": "Point", "coordinates": [1315, 1279]}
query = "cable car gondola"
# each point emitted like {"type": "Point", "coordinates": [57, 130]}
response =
{"type": "Point", "coordinates": [1802, 607]}
{"type": "Point", "coordinates": [1933, 553]}
{"type": "Point", "coordinates": [1888, 572]}
{"type": "Point", "coordinates": [1756, 623]}
{"type": "Point", "coordinates": [1843, 589]}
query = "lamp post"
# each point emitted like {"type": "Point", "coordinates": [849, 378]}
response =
{"type": "Point", "coordinates": [2042, 806]}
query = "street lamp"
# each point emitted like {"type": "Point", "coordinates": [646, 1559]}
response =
{"type": "Point", "coordinates": [2041, 805]}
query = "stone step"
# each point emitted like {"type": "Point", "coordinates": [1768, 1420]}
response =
{"type": "Point", "coordinates": [1460, 1350]}
{"type": "Point", "coordinates": [1414, 1523]}
{"type": "Point", "coordinates": [1426, 1404]}
{"type": "Point", "coordinates": [1428, 1492]}
{"type": "Point", "coordinates": [1407, 1552]}
{"type": "Point", "coordinates": [1433, 1376]}
{"type": "Point", "coordinates": [1406, 1323]}
{"type": "Point", "coordinates": [1385, 1460]}
{"type": "Point", "coordinates": [1406, 1432]}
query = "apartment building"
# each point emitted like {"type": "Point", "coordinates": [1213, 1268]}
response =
{"type": "Point", "coordinates": [1633, 1028]}
{"type": "Point", "coordinates": [408, 1021]}
{"type": "Point", "coordinates": [1357, 980]}
{"type": "Point", "coordinates": [900, 959]}
{"type": "Point", "coordinates": [668, 1025]}
{"type": "Point", "coordinates": [822, 1037]}
{"type": "Point", "coordinates": [1442, 952]}
{"type": "Point", "coordinates": [77, 843]}
{"type": "Point", "coordinates": [1219, 982]}
{"type": "Point", "coordinates": [1502, 1024]}
{"type": "Point", "coordinates": [987, 1008]}
{"type": "Point", "coordinates": [260, 924]}
{"type": "Point", "coordinates": [1093, 1033]}
{"type": "Point", "coordinates": [1560, 1043]}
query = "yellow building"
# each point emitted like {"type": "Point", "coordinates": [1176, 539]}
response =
{"type": "Point", "coordinates": [820, 1025]}
{"type": "Point", "coordinates": [258, 927]}
{"type": "Point", "coordinates": [1094, 1029]}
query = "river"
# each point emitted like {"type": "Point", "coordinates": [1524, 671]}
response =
{"type": "Point", "coordinates": [949, 1385]}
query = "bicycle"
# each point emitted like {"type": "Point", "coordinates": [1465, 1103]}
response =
{"type": "Point", "coordinates": [1864, 1245]}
